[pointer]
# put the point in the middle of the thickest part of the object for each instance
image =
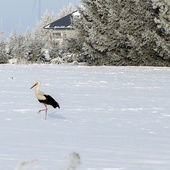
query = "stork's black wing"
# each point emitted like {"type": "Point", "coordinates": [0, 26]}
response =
{"type": "Point", "coordinates": [50, 101]}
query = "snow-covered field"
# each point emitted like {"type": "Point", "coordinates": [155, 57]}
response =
{"type": "Point", "coordinates": [115, 118]}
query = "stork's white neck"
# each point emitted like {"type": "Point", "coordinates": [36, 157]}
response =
{"type": "Point", "coordinates": [36, 89]}
{"type": "Point", "coordinates": [39, 94]}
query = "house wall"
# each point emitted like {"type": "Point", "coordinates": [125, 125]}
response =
{"type": "Point", "coordinates": [61, 35]}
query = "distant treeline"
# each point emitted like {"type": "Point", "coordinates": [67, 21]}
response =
{"type": "Point", "coordinates": [119, 32]}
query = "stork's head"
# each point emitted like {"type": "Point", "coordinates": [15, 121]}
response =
{"type": "Point", "coordinates": [36, 84]}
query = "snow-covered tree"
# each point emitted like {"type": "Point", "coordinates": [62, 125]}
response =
{"type": "Point", "coordinates": [3, 55]}
{"type": "Point", "coordinates": [66, 10]}
{"type": "Point", "coordinates": [44, 34]}
{"type": "Point", "coordinates": [28, 39]}
{"type": "Point", "coordinates": [15, 45]}
{"type": "Point", "coordinates": [121, 32]}
{"type": "Point", "coordinates": [40, 39]}
{"type": "Point", "coordinates": [36, 50]}
{"type": "Point", "coordinates": [93, 26]}
{"type": "Point", "coordinates": [162, 20]}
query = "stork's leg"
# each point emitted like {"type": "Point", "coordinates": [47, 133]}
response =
{"type": "Point", "coordinates": [44, 110]}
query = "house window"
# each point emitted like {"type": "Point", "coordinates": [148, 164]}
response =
{"type": "Point", "coordinates": [57, 34]}
{"type": "Point", "coordinates": [64, 35]}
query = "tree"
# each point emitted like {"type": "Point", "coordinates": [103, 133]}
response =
{"type": "Point", "coordinates": [36, 50]}
{"type": "Point", "coordinates": [44, 34]}
{"type": "Point", "coordinates": [121, 32]}
{"type": "Point", "coordinates": [91, 26]}
{"type": "Point", "coordinates": [28, 40]}
{"type": "Point", "coordinates": [3, 55]}
{"type": "Point", "coordinates": [46, 37]}
{"type": "Point", "coordinates": [66, 10]}
{"type": "Point", "coordinates": [42, 39]}
{"type": "Point", "coordinates": [162, 20]}
{"type": "Point", "coordinates": [15, 45]}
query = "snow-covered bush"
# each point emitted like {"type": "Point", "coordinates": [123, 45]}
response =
{"type": "Point", "coordinates": [33, 164]}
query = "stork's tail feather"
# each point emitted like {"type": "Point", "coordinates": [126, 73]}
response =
{"type": "Point", "coordinates": [55, 104]}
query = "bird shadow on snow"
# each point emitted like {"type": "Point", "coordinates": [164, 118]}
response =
{"type": "Point", "coordinates": [54, 115]}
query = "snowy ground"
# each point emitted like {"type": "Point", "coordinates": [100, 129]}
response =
{"type": "Point", "coordinates": [115, 118]}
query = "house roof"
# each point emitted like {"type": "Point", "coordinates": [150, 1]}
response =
{"type": "Point", "coordinates": [64, 23]}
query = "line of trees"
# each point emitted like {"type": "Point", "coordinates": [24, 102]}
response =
{"type": "Point", "coordinates": [121, 32]}
{"type": "Point", "coordinates": [37, 46]}
{"type": "Point", "coordinates": [107, 32]}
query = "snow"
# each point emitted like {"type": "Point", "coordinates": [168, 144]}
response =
{"type": "Point", "coordinates": [76, 13]}
{"type": "Point", "coordinates": [47, 26]}
{"type": "Point", "coordinates": [114, 118]}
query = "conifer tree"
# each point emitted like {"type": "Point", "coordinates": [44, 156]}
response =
{"type": "Point", "coordinates": [162, 20]}
{"type": "Point", "coordinates": [121, 32]}
{"type": "Point", "coordinates": [15, 45]}
{"type": "Point", "coordinates": [132, 20]}
{"type": "Point", "coordinates": [92, 26]}
{"type": "Point", "coordinates": [3, 55]}
{"type": "Point", "coordinates": [44, 34]}
{"type": "Point", "coordinates": [28, 44]}
{"type": "Point", "coordinates": [66, 10]}
{"type": "Point", "coordinates": [42, 38]}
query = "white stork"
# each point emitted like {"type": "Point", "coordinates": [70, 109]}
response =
{"type": "Point", "coordinates": [44, 98]}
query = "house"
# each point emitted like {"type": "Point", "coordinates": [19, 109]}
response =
{"type": "Point", "coordinates": [63, 26]}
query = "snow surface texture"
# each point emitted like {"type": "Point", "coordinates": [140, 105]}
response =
{"type": "Point", "coordinates": [111, 118]}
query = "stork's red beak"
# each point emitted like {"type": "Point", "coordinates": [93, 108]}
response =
{"type": "Point", "coordinates": [33, 85]}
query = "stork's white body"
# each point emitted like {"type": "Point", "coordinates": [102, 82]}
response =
{"type": "Point", "coordinates": [44, 98]}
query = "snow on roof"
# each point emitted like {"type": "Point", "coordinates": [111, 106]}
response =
{"type": "Point", "coordinates": [64, 23]}
{"type": "Point", "coordinates": [76, 13]}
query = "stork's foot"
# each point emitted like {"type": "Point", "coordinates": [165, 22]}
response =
{"type": "Point", "coordinates": [45, 112]}
{"type": "Point", "coordinates": [41, 110]}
